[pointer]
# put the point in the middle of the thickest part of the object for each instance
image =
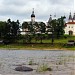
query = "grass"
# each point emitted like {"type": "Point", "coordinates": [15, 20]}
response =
{"type": "Point", "coordinates": [59, 44]}
{"type": "Point", "coordinates": [55, 46]}
{"type": "Point", "coordinates": [43, 68]}
{"type": "Point", "coordinates": [31, 62]}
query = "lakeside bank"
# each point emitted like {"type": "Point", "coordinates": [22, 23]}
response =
{"type": "Point", "coordinates": [36, 47]}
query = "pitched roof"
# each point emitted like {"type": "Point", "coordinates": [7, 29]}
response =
{"type": "Point", "coordinates": [70, 16]}
{"type": "Point", "coordinates": [74, 17]}
{"type": "Point", "coordinates": [70, 23]}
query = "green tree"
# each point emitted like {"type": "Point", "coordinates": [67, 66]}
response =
{"type": "Point", "coordinates": [3, 29]}
{"type": "Point", "coordinates": [57, 27]}
{"type": "Point", "coordinates": [25, 25]}
{"type": "Point", "coordinates": [31, 28]}
{"type": "Point", "coordinates": [14, 28]}
{"type": "Point", "coordinates": [11, 30]}
{"type": "Point", "coordinates": [42, 27]}
{"type": "Point", "coordinates": [61, 25]}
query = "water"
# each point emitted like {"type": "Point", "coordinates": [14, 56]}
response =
{"type": "Point", "coordinates": [61, 62]}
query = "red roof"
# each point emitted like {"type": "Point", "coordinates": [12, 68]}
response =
{"type": "Point", "coordinates": [70, 23]}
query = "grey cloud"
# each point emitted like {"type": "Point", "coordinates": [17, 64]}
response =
{"type": "Point", "coordinates": [14, 2]}
{"type": "Point", "coordinates": [22, 9]}
{"type": "Point", "coordinates": [18, 2]}
{"type": "Point", "coordinates": [61, 2]}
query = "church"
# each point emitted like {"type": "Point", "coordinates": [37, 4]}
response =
{"type": "Point", "coordinates": [70, 25]}
{"type": "Point", "coordinates": [30, 23]}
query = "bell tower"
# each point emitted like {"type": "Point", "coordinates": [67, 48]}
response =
{"type": "Point", "coordinates": [74, 17]}
{"type": "Point", "coordinates": [33, 16]}
{"type": "Point", "coordinates": [70, 17]}
{"type": "Point", "coordinates": [50, 19]}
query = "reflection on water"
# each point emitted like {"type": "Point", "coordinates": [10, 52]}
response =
{"type": "Point", "coordinates": [9, 59]}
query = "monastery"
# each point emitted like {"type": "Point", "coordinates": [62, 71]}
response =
{"type": "Point", "coordinates": [70, 25]}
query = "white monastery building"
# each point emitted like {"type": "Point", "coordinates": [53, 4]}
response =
{"type": "Point", "coordinates": [70, 25]}
{"type": "Point", "coordinates": [31, 22]}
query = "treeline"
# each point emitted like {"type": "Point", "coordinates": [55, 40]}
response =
{"type": "Point", "coordinates": [53, 29]}
{"type": "Point", "coordinates": [10, 31]}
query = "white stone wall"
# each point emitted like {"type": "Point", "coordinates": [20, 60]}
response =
{"type": "Point", "coordinates": [74, 29]}
{"type": "Point", "coordinates": [33, 19]}
{"type": "Point", "coordinates": [70, 27]}
{"type": "Point", "coordinates": [73, 20]}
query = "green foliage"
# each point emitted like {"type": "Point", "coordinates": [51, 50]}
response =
{"type": "Point", "coordinates": [56, 26]}
{"type": "Point", "coordinates": [24, 25]}
{"type": "Point", "coordinates": [9, 30]}
{"type": "Point", "coordinates": [42, 27]}
{"type": "Point", "coordinates": [30, 62]}
{"type": "Point", "coordinates": [42, 68]}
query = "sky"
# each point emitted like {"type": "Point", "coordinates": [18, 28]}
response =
{"type": "Point", "coordinates": [22, 9]}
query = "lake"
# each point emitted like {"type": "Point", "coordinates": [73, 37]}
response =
{"type": "Point", "coordinates": [61, 62]}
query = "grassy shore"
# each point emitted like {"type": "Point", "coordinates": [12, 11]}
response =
{"type": "Point", "coordinates": [45, 46]}
{"type": "Point", "coordinates": [59, 44]}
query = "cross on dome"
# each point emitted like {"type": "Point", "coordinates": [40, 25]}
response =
{"type": "Point", "coordinates": [33, 15]}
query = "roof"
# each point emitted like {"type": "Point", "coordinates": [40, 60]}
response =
{"type": "Point", "coordinates": [32, 15]}
{"type": "Point", "coordinates": [70, 16]}
{"type": "Point", "coordinates": [70, 23]}
{"type": "Point", "coordinates": [74, 17]}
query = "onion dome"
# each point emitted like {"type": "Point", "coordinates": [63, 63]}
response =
{"type": "Point", "coordinates": [70, 16]}
{"type": "Point", "coordinates": [74, 17]}
{"type": "Point", "coordinates": [33, 15]}
{"type": "Point", "coordinates": [50, 19]}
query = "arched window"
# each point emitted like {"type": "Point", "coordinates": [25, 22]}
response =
{"type": "Point", "coordinates": [70, 32]}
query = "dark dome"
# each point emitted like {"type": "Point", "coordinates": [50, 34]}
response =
{"type": "Point", "coordinates": [32, 15]}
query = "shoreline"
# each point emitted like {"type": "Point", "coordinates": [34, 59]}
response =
{"type": "Point", "coordinates": [43, 49]}
{"type": "Point", "coordinates": [35, 47]}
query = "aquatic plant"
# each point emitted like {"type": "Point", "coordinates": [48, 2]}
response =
{"type": "Point", "coordinates": [43, 68]}
{"type": "Point", "coordinates": [31, 62]}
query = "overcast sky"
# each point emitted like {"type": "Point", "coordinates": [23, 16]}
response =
{"type": "Point", "coordinates": [22, 9]}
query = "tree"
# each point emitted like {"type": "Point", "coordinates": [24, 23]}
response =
{"type": "Point", "coordinates": [11, 30]}
{"type": "Point", "coordinates": [52, 29]}
{"type": "Point", "coordinates": [25, 25]}
{"type": "Point", "coordinates": [14, 28]}
{"type": "Point", "coordinates": [60, 27]}
{"type": "Point", "coordinates": [31, 28]}
{"type": "Point", "coordinates": [57, 27]}
{"type": "Point", "coordinates": [3, 29]}
{"type": "Point", "coordinates": [42, 27]}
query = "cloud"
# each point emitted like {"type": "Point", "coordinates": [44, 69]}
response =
{"type": "Point", "coordinates": [74, 5]}
{"type": "Point", "coordinates": [22, 9]}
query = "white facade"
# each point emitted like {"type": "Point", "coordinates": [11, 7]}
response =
{"type": "Point", "coordinates": [32, 19]}
{"type": "Point", "coordinates": [70, 28]}
{"type": "Point", "coordinates": [70, 25]}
